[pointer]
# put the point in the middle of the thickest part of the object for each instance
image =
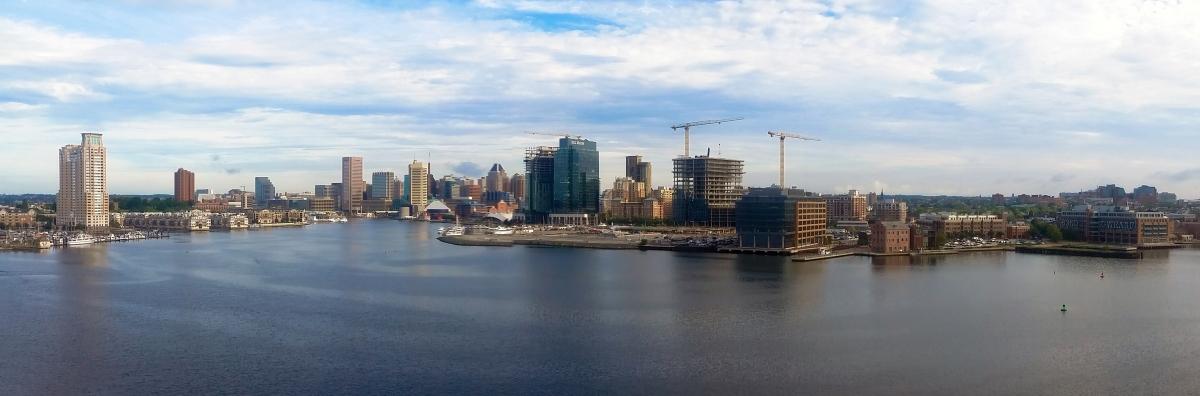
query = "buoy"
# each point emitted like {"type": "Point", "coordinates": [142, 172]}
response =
{"type": "Point", "coordinates": [1064, 308]}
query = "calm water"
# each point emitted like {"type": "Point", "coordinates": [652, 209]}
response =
{"type": "Point", "coordinates": [379, 307]}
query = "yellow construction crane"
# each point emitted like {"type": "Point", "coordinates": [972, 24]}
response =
{"type": "Point", "coordinates": [560, 134]}
{"type": "Point", "coordinates": [687, 129]}
{"type": "Point", "coordinates": [782, 136]}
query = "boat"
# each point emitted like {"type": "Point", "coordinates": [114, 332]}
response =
{"type": "Point", "coordinates": [80, 239]}
{"type": "Point", "coordinates": [502, 230]}
{"type": "Point", "coordinates": [453, 230]}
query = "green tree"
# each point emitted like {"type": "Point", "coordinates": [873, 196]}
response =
{"type": "Point", "coordinates": [939, 240]}
{"type": "Point", "coordinates": [1053, 233]}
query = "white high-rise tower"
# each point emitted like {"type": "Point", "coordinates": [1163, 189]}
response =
{"type": "Point", "coordinates": [83, 184]}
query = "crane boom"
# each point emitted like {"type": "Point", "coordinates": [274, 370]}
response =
{"type": "Point", "coordinates": [782, 136]}
{"type": "Point", "coordinates": [566, 135]}
{"type": "Point", "coordinates": [687, 129]}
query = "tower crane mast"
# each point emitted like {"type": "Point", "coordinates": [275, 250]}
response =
{"type": "Point", "coordinates": [687, 129]}
{"type": "Point", "coordinates": [782, 136]}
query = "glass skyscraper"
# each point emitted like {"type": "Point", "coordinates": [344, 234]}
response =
{"type": "Point", "coordinates": [576, 177]}
{"type": "Point", "coordinates": [264, 191]}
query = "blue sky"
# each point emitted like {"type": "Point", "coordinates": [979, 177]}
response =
{"type": "Point", "coordinates": [931, 97]}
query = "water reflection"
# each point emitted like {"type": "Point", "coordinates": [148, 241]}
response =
{"type": "Point", "coordinates": [377, 307]}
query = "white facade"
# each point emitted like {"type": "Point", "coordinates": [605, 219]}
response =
{"type": "Point", "coordinates": [83, 184]}
{"type": "Point", "coordinates": [418, 179]}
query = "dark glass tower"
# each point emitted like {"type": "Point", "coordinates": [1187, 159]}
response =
{"type": "Point", "coordinates": [576, 177]}
{"type": "Point", "coordinates": [539, 184]}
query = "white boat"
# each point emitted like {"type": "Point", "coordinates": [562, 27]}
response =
{"type": "Point", "coordinates": [454, 230]}
{"type": "Point", "coordinates": [80, 239]}
{"type": "Point", "coordinates": [502, 230]}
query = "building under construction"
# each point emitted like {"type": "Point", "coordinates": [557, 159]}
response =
{"type": "Point", "coordinates": [539, 183]}
{"type": "Point", "coordinates": [706, 190]}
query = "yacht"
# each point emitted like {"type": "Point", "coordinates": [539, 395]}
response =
{"type": "Point", "coordinates": [502, 230]}
{"type": "Point", "coordinates": [80, 239]}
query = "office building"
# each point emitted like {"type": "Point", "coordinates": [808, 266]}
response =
{"type": "Point", "coordinates": [185, 185]}
{"type": "Point", "coordinates": [264, 191]}
{"type": "Point", "coordinates": [383, 185]}
{"type": "Point", "coordinates": [323, 191]}
{"type": "Point", "coordinates": [497, 179]}
{"type": "Point", "coordinates": [539, 184]}
{"type": "Point", "coordinates": [576, 180]}
{"type": "Point", "coordinates": [473, 191]}
{"type": "Point", "coordinates": [353, 184]}
{"type": "Point", "coordinates": [516, 186]}
{"type": "Point", "coordinates": [706, 190]}
{"type": "Point", "coordinates": [83, 184]}
{"type": "Point", "coordinates": [1146, 195]}
{"type": "Point", "coordinates": [335, 192]}
{"type": "Point", "coordinates": [397, 188]}
{"type": "Point", "coordinates": [638, 170]}
{"type": "Point", "coordinates": [1115, 225]}
{"type": "Point", "coordinates": [665, 197]}
{"type": "Point", "coordinates": [851, 206]}
{"type": "Point", "coordinates": [418, 185]}
{"type": "Point", "coordinates": [778, 220]}
{"type": "Point", "coordinates": [889, 210]}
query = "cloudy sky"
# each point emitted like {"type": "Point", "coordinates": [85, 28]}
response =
{"type": "Point", "coordinates": [932, 97]}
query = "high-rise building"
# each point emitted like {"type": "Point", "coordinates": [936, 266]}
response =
{"type": "Point", "coordinates": [516, 186]}
{"type": "Point", "coordinates": [497, 179]}
{"type": "Point", "coordinates": [539, 184]}
{"type": "Point", "coordinates": [706, 190]}
{"type": "Point", "coordinates": [665, 196]}
{"type": "Point", "coordinates": [775, 219]}
{"type": "Point", "coordinates": [352, 184]}
{"type": "Point", "coordinates": [323, 191]}
{"type": "Point", "coordinates": [418, 185]}
{"type": "Point", "coordinates": [397, 188]}
{"type": "Point", "coordinates": [576, 177]}
{"type": "Point", "coordinates": [264, 191]}
{"type": "Point", "coordinates": [185, 185]}
{"type": "Point", "coordinates": [383, 185]}
{"type": "Point", "coordinates": [83, 184]}
{"type": "Point", "coordinates": [335, 192]}
{"type": "Point", "coordinates": [851, 206]}
{"type": "Point", "coordinates": [638, 170]}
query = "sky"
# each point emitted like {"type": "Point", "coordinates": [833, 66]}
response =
{"type": "Point", "coordinates": [908, 97]}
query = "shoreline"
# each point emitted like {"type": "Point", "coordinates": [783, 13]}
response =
{"type": "Point", "coordinates": [587, 241]}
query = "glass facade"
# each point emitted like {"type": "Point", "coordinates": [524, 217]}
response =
{"type": "Point", "coordinates": [539, 184]}
{"type": "Point", "coordinates": [576, 177]}
{"type": "Point", "coordinates": [264, 191]}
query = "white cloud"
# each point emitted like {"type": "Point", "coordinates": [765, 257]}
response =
{"type": "Point", "coordinates": [914, 95]}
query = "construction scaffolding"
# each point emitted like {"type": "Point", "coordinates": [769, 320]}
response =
{"type": "Point", "coordinates": [706, 190]}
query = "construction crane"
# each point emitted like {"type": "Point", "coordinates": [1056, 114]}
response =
{"type": "Point", "coordinates": [687, 129]}
{"type": "Point", "coordinates": [782, 136]}
{"type": "Point", "coordinates": [566, 135]}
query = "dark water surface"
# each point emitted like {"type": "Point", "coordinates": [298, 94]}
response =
{"type": "Point", "coordinates": [380, 307]}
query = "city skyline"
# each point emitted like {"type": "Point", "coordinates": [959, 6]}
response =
{"type": "Point", "coordinates": [919, 98]}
